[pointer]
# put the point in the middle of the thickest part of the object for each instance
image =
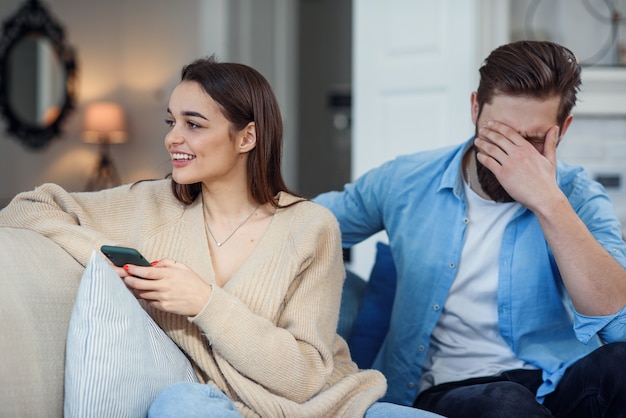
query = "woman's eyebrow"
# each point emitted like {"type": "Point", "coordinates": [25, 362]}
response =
{"type": "Point", "coordinates": [193, 114]}
{"type": "Point", "coordinates": [189, 113]}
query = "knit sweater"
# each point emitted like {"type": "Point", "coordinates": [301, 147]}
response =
{"type": "Point", "coordinates": [267, 339]}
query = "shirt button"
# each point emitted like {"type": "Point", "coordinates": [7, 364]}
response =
{"type": "Point", "coordinates": [466, 221]}
{"type": "Point", "coordinates": [436, 307]}
{"type": "Point", "coordinates": [411, 385]}
{"type": "Point", "coordinates": [451, 265]}
{"type": "Point", "coordinates": [420, 348]}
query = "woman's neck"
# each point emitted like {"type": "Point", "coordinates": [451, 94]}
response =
{"type": "Point", "coordinates": [228, 205]}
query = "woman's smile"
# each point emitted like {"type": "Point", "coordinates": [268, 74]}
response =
{"type": "Point", "coordinates": [181, 159]}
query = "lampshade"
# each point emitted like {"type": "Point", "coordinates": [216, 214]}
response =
{"type": "Point", "coordinates": [104, 122]}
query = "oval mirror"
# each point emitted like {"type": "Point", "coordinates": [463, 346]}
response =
{"type": "Point", "coordinates": [37, 74]}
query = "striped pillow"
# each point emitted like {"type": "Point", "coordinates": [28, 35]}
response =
{"type": "Point", "coordinates": [117, 357]}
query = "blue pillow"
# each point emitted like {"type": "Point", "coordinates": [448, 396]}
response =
{"type": "Point", "coordinates": [372, 322]}
{"type": "Point", "coordinates": [351, 298]}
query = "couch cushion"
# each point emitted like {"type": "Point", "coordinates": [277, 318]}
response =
{"type": "Point", "coordinates": [38, 284]}
{"type": "Point", "coordinates": [351, 298]}
{"type": "Point", "coordinates": [372, 322]}
{"type": "Point", "coordinates": [118, 359]}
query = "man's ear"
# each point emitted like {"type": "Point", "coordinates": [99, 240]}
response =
{"type": "Point", "coordinates": [566, 124]}
{"type": "Point", "coordinates": [475, 107]}
{"type": "Point", "coordinates": [247, 140]}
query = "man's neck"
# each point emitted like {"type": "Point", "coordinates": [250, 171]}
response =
{"type": "Point", "coordinates": [470, 174]}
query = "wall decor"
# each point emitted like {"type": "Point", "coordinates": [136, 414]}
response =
{"type": "Point", "coordinates": [37, 75]}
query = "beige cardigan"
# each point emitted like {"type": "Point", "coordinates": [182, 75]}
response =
{"type": "Point", "coordinates": [268, 338]}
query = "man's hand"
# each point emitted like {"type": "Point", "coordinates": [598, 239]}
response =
{"type": "Point", "coordinates": [595, 281]}
{"type": "Point", "coordinates": [525, 169]}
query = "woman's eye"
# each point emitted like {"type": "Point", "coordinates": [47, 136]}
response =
{"type": "Point", "coordinates": [190, 124]}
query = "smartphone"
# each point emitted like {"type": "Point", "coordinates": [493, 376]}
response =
{"type": "Point", "coordinates": [124, 255]}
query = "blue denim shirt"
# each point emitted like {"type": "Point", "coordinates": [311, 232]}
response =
{"type": "Point", "coordinates": [419, 200]}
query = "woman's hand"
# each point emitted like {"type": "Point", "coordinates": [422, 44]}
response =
{"type": "Point", "coordinates": [169, 286]}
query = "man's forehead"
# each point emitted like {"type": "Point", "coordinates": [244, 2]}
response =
{"type": "Point", "coordinates": [532, 115]}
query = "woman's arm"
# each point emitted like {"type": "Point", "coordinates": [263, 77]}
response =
{"type": "Point", "coordinates": [80, 222]}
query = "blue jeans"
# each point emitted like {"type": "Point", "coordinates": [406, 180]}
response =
{"type": "Point", "coordinates": [389, 410]}
{"type": "Point", "coordinates": [196, 400]}
{"type": "Point", "coordinates": [192, 400]}
{"type": "Point", "coordinates": [592, 387]}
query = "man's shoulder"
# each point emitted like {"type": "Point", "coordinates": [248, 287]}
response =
{"type": "Point", "coordinates": [425, 160]}
{"type": "Point", "coordinates": [572, 177]}
{"type": "Point", "coordinates": [581, 190]}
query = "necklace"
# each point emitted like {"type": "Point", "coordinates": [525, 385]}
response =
{"type": "Point", "coordinates": [467, 170]}
{"type": "Point", "coordinates": [220, 243]}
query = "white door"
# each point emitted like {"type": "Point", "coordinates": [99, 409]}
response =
{"type": "Point", "coordinates": [415, 65]}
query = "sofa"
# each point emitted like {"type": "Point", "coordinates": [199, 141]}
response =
{"type": "Point", "coordinates": [40, 282]}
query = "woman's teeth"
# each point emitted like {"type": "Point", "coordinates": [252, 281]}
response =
{"type": "Point", "coordinates": [180, 156]}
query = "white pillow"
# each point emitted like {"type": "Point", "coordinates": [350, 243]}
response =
{"type": "Point", "coordinates": [117, 357]}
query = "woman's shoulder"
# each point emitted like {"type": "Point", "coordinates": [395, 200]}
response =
{"type": "Point", "coordinates": [306, 226]}
{"type": "Point", "coordinates": [304, 208]}
{"type": "Point", "coordinates": [153, 190]}
{"type": "Point", "coordinates": [158, 185]}
{"type": "Point", "coordinates": [306, 220]}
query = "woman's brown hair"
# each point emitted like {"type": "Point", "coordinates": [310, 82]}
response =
{"type": "Point", "coordinates": [244, 96]}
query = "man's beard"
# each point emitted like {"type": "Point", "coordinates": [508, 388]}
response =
{"type": "Point", "coordinates": [489, 183]}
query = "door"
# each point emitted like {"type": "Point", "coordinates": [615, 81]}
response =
{"type": "Point", "coordinates": [415, 64]}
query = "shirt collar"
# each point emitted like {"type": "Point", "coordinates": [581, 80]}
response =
{"type": "Point", "coordinates": [452, 177]}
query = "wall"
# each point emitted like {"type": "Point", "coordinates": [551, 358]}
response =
{"type": "Point", "coordinates": [324, 67]}
{"type": "Point", "coordinates": [131, 52]}
{"type": "Point", "coordinates": [128, 52]}
{"type": "Point", "coordinates": [263, 34]}
{"type": "Point", "coordinates": [582, 25]}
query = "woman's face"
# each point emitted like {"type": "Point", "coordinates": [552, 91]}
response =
{"type": "Point", "coordinates": [200, 142]}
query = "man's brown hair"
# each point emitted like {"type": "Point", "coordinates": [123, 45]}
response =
{"type": "Point", "coordinates": [535, 69]}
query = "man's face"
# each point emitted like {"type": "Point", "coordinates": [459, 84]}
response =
{"type": "Point", "coordinates": [529, 117]}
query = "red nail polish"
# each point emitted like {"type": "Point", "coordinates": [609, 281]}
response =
{"type": "Point", "coordinates": [154, 263]}
{"type": "Point", "coordinates": [126, 267]}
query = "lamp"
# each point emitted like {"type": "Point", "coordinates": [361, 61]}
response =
{"type": "Point", "coordinates": [104, 123]}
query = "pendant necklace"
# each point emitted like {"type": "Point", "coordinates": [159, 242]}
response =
{"type": "Point", "coordinates": [467, 172]}
{"type": "Point", "coordinates": [220, 243]}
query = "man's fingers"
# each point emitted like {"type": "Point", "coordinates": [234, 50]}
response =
{"type": "Point", "coordinates": [552, 141]}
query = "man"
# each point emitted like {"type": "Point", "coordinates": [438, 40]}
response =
{"type": "Point", "coordinates": [511, 287]}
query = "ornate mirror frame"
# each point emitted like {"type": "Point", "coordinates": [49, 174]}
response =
{"type": "Point", "coordinates": [32, 19]}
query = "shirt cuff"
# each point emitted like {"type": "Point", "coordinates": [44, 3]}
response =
{"type": "Point", "coordinates": [610, 328]}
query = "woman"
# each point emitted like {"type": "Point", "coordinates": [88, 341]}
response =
{"type": "Point", "coordinates": [249, 276]}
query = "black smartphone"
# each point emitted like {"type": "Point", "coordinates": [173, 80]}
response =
{"type": "Point", "coordinates": [124, 255]}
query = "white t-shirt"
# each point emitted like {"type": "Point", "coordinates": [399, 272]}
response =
{"type": "Point", "coordinates": [466, 341]}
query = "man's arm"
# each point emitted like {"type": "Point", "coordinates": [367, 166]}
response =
{"type": "Point", "coordinates": [596, 282]}
{"type": "Point", "coordinates": [357, 207]}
